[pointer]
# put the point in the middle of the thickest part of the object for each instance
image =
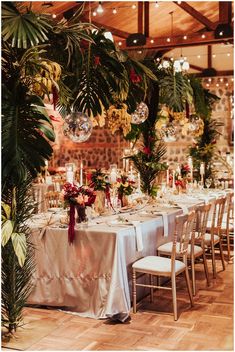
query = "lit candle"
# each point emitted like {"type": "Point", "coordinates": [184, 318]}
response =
{"type": "Point", "coordinates": [81, 174]}
{"type": "Point", "coordinates": [202, 171]}
{"type": "Point", "coordinates": [69, 176]}
{"type": "Point", "coordinates": [113, 176]}
{"type": "Point", "coordinates": [167, 175]}
{"type": "Point", "coordinates": [190, 163]}
{"type": "Point", "coordinates": [138, 182]}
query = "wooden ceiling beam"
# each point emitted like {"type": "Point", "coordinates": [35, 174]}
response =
{"type": "Point", "coordinates": [140, 17]}
{"type": "Point", "coordinates": [209, 56]}
{"type": "Point", "coordinates": [218, 74]}
{"type": "Point", "coordinates": [117, 32]}
{"type": "Point", "coordinates": [146, 18]}
{"type": "Point", "coordinates": [196, 15]}
{"type": "Point", "coordinates": [178, 41]}
{"type": "Point", "coordinates": [225, 11]}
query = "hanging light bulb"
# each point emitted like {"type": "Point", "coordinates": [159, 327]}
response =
{"type": "Point", "coordinates": [133, 6]}
{"type": "Point", "coordinates": [100, 8]}
{"type": "Point", "coordinates": [156, 4]}
{"type": "Point", "coordinates": [114, 11]}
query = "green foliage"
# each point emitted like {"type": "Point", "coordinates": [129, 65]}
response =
{"type": "Point", "coordinates": [175, 89]}
{"type": "Point", "coordinates": [99, 181]}
{"type": "Point", "coordinates": [16, 268]}
{"type": "Point", "coordinates": [23, 29]}
{"type": "Point", "coordinates": [125, 187]}
{"type": "Point", "coordinates": [148, 162]}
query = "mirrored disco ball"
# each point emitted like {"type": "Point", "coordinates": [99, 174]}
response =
{"type": "Point", "coordinates": [193, 123]}
{"type": "Point", "coordinates": [77, 127]}
{"type": "Point", "coordinates": [169, 133]}
{"type": "Point", "coordinates": [140, 114]}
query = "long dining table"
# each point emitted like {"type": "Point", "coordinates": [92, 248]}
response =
{"type": "Point", "coordinates": [92, 276]}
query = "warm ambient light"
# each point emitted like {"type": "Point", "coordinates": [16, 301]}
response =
{"type": "Point", "coordinates": [152, 41]}
{"type": "Point", "coordinates": [94, 13]}
{"type": "Point", "coordinates": [100, 8]}
{"type": "Point", "coordinates": [134, 6]}
{"type": "Point", "coordinates": [185, 37]}
{"type": "Point", "coordinates": [203, 36]}
{"type": "Point", "coordinates": [54, 15]}
{"type": "Point", "coordinates": [168, 40]}
{"type": "Point", "coordinates": [114, 11]}
{"type": "Point", "coordinates": [213, 55]}
{"type": "Point", "coordinates": [199, 56]}
{"type": "Point", "coordinates": [221, 33]}
{"type": "Point", "coordinates": [119, 43]}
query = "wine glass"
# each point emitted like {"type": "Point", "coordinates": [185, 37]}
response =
{"type": "Point", "coordinates": [208, 182]}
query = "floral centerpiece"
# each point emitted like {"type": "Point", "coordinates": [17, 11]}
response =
{"type": "Point", "coordinates": [182, 176]}
{"type": "Point", "coordinates": [79, 198]}
{"type": "Point", "coordinates": [125, 188]}
{"type": "Point", "coordinates": [101, 185]}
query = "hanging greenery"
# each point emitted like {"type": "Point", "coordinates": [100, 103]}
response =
{"type": "Point", "coordinates": [205, 147]}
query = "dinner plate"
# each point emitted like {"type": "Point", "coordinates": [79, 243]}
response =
{"type": "Point", "coordinates": [54, 210]}
{"type": "Point", "coordinates": [118, 223]}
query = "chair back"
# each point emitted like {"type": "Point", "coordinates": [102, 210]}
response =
{"type": "Point", "coordinates": [53, 199]}
{"type": "Point", "coordinates": [202, 215]}
{"type": "Point", "coordinates": [229, 209]}
{"type": "Point", "coordinates": [185, 225]}
{"type": "Point", "coordinates": [217, 217]}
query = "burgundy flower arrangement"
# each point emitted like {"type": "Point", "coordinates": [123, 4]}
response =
{"type": "Point", "coordinates": [79, 198]}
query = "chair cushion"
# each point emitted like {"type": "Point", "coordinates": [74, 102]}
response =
{"type": "Point", "coordinates": [166, 248]}
{"type": "Point", "coordinates": [208, 238]}
{"type": "Point", "coordinates": [157, 266]}
{"type": "Point", "coordinates": [223, 225]}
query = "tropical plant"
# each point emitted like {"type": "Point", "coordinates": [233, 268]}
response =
{"type": "Point", "coordinates": [17, 254]}
{"type": "Point", "coordinates": [205, 147]}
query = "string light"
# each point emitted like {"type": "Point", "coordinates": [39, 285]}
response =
{"type": "Point", "coordinates": [203, 36]}
{"type": "Point", "coordinates": [119, 43]}
{"type": "Point", "coordinates": [152, 41]}
{"type": "Point", "coordinates": [221, 33]}
{"type": "Point", "coordinates": [133, 6]}
{"type": "Point", "coordinates": [179, 2]}
{"type": "Point", "coordinates": [228, 54]}
{"type": "Point", "coordinates": [198, 56]}
{"type": "Point", "coordinates": [156, 4]}
{"type": "Point", "coordinates": [221, 79]}
{"type": "Point", "coordinates": [114, 11]}
{"type": "Point", "coordinates": [100, 8]}
{"type": "Point", "coordinates": [94, 13]}
{"type": "Point", "coordinates": [185, 37]}
{"type": "Point", "coordinates": [168, 40]}
{"type": "Point", "coordinates": [213, 55]}
{"type": "Point", "coordinates": [54, 15]}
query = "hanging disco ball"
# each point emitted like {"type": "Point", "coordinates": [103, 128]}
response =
{"type": "Point", "coordinates": [140, 114]}
{"type": "Point", "coordinates": [168, 133]}
{"type": "Point", "coordinates": [77, 127]}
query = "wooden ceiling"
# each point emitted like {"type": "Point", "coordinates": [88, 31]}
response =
{"type": "Point", "coordinates": [196, 20]}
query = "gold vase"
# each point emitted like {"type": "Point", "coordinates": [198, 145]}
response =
{"type": "Point", "coordinates": [99, 204]}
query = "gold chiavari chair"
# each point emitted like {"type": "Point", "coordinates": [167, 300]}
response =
{"type": "Point", "coordinates": [213, 235]}
{"type": "Point", "coordinates": [167, 267]}
{"type": "Point", "coordinates": [227, 226]}
{"type": "Point", "coordinates": [194, 251]}
{"type": "Point", "coordinates": [53, 200]}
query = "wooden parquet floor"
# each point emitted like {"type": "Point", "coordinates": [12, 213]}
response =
{"type": "Point", "coordinates": [206, 326]}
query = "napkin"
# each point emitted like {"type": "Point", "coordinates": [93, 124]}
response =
{"type": "Point", "coordinates": [139, 238]}
{"type": "Point", "coordinates": [184, 208]}
{"type": "Point", "coordinates": [165, 222]}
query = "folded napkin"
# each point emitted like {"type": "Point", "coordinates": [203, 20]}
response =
{"type": "Point", "coordinates": [139, 238]}
{"type": "Point", "coordinates": [165, 222]}
{"type": "Point", "coordinates": [48, 223]}
{"type": "Point", "coordinates": [184, 208]}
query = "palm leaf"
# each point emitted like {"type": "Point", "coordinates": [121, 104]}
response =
{"type": "Point", "coordinates": [24, 29]}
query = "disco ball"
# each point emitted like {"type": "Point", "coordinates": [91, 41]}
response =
{"type": "Point", "coordinates": [77, 127]}
{"type": "Point", "coordinates": [140, 114]}
{"type": "Point", "coordinates": [168, 133]}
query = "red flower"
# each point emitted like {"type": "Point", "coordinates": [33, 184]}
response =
{"type": "Point", "coordinates": [147, 151]}
{"type": "Point", "coordinates": [97, 60]}
{"type": "Point", "coordinates": [134, 77]}
{"type": "Point", "coordinates": [186, 168]}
